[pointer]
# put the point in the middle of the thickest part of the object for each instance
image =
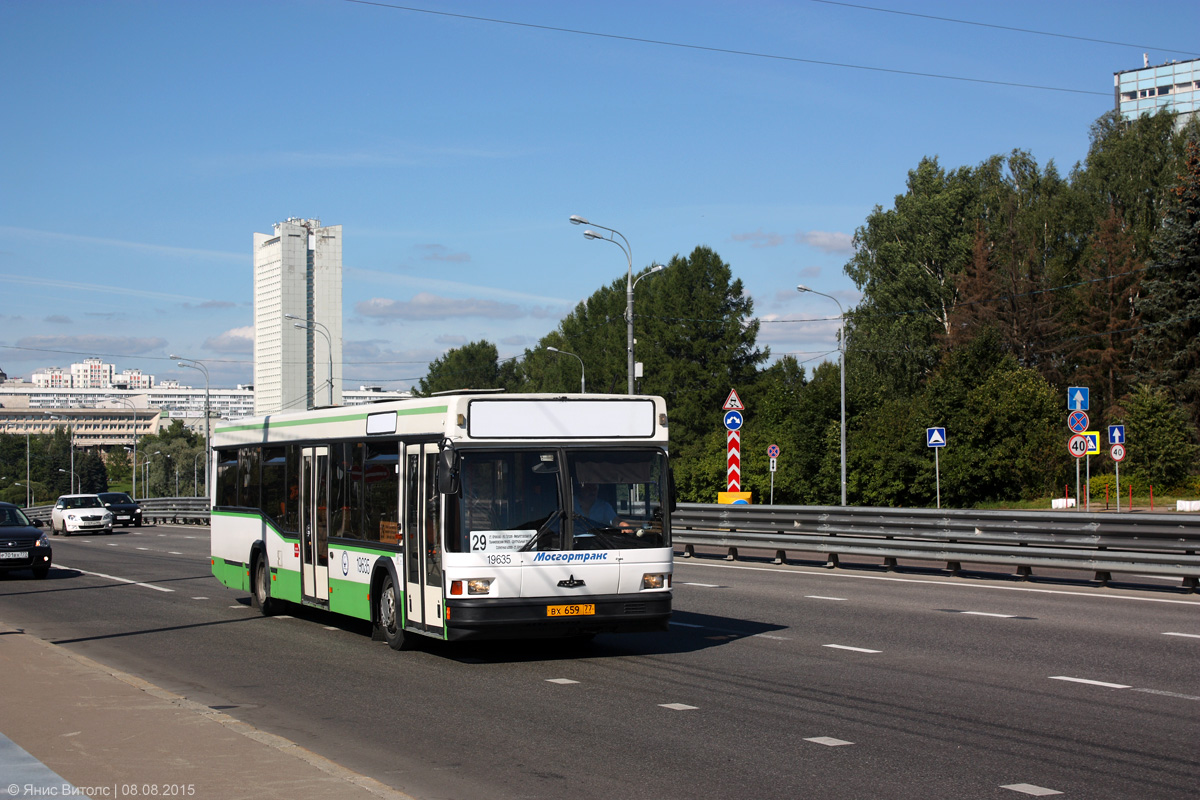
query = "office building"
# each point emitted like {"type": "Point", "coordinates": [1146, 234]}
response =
{"type": "Point", "coordinates": [297, 316]}
{"type": "Point", "coordinates": [1174, 86]}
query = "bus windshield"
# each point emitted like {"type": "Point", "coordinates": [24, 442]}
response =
{"type": "Point", "coordinates": [559, 499]}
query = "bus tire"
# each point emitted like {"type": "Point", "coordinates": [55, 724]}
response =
{"type": "Point", "coordinates": [261, 588]}
{"type": "Point", "coordinates": [389, 614]}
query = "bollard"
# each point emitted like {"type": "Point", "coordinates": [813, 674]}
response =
{"type": "Point", "coordinates": [780, 557]}
{"type": "Point", "coordinates": [831, 560]}
{"type": "Point", "coordinates": [732, 554]}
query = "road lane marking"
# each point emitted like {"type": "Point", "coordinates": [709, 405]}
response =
{"type": "Point", "coordinates": [678, 706]}
{"type": "Point", "coordinates": [705, 585]}
{"type": "Point", "coordinates": [561, 681]}
{"type": "Point", "coordinates": [199, 598]}
{"type": "Point", "coordinates": [816, 571]}
{"type": "Point", "coordinates": [1168, 694]}
{"type": "Point", "coordinates": [1089, 682]}
{"type": "Point", "coordinates": [828, 741]}
{"type": "Point", "coordinates": [685, 625]}
{"type": "Point", "coordinates": [988, 614]}
{"type": "Point", "coordinates": [853, 649]}
{"type": "Point", "coordinates": [769, 636]}
{"type": "Point", "coordinates": [1029, 788]}
{"type": "Point", "coordinates": [1188, 635]}
{"type": "Point", "coordinates": [821, 597]}
{"type": "Point", "coordinates": [115, 578]}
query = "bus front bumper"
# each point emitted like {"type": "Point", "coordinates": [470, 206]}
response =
{"type": "Point", "coordinates": [531, 616]}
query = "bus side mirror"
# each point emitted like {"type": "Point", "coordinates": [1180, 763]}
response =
{"type": "Point", "coordinates": [448, 481]}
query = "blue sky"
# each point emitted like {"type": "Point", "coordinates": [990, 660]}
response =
{"type": "Point", "coordinates": [145, 142]}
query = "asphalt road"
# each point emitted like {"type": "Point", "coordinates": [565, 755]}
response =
{"type": "Point", "coordinates": [774, 682]}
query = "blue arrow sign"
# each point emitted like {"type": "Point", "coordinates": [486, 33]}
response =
{"type": "Point", "coordinates": [733, 420]}
{"type": "Point", "coordinates": [1077, 398]}
{"type": "Point", "coordinates": [935, 437]}
{"type": "Point", "coordinates": [1116, 434]}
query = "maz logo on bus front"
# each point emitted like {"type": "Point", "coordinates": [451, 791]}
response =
{"type": "Point", "coordinates": [571, 557]}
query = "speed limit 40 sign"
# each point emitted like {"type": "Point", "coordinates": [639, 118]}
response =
{"type": "Point", "coordinates": [1078, 445]}
{"type": "Point", "coordinates": [1117, 452]}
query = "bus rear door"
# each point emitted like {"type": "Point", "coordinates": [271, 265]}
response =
{"type": "Point", "coordinates": [314, 523]}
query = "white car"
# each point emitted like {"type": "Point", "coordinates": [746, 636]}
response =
{"type": "Point", "coordinates": [79, 513]}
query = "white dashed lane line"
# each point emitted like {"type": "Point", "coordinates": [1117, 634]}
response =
{"type": "Point", "coordinates": [851, 649]}
{"type": "Point", "coordinates": [1188, 635]}
{"type": "Point", "coordinates": [828, 741]}
{"type": "Point", "coordinates": [678, 706]}
{"type": "Point", "coordinates": [561, 681]}
{"type": "Point", "coordinates": [1107, 685]}
{"type": "Point", "coordinates": [822, 597]}
{"type": "Point", "coordinates": [1029, 788]}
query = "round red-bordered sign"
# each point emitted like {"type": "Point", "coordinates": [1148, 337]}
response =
{"type": "Point", "coordinates": [1117, 452]}
{"type": "Point", "coordinates": [1078, 445]}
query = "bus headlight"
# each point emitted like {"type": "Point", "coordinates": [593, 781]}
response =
{"type": "Point", "coordinates": [656, 580]}
{"type": "Point", "coordinates": [474, 586]}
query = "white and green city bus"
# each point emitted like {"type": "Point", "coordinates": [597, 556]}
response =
{"type": "Point", "coordinates": [455, 517]}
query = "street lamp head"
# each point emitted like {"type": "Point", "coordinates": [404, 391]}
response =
{"type": "Point", "coordinates": [803, 288]}
{"type": "Point", "coordinates": [290, 316]}
{"type": "Point", "coordinates": [301, 327]}
{"type": "Point", "coordinates": [591, 234]}
{"type": "Point", "coordinates": [656, 268]}
{"type": "Point", "coordinates": [578, 220]}
{"type": "Point", "coordinates": [552, 349]}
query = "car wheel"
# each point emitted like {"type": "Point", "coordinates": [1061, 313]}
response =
{"type": "Point", "coordinates": [261, 596]}
{"type": "Point", "coordinates": [389, 614]}
{"type": "Point", "coordinates": [41, 572]}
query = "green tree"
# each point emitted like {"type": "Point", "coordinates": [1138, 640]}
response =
{"type": "Point", "coordinates": [473, 366]}
{"type": "Point", "coordinates": [1162, 441]}
{"type": "Point", "coordinates": [1168, 347]}
{"type": "Point", "coordinates": [906, 264]}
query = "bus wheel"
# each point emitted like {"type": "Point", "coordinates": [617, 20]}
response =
{"type": "Point", "coordinates": [262, 588]}
{"type": "Point", "coordinates": [389, 616]}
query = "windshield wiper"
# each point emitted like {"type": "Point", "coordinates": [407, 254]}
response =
{"type": "Point", "coordinates": [542, 530]}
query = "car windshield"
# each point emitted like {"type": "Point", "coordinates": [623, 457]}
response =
{"type": "Point", "coordinates": [519, 500]}
{"type": "Point", "coordinates": [115, 497]}
{"type": "Point", "coordinates": [13, 518]}
{"type": "Point", "coordinates": [82, 502]}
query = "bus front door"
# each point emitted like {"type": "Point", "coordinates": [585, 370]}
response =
{"type": "Point", "coordinates": [422, 540]}
{"type": "Point", "coordinates": [314, 523]}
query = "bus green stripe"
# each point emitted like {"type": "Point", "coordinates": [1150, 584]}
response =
{"type": "Point", "coordinates": [288, 423]}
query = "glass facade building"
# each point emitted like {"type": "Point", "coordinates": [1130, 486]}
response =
{"type": "Point", "coordinates": [1174, 86]}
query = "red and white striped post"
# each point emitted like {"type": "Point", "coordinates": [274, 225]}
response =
{"type": "Point", "coordinates": [735, 461]}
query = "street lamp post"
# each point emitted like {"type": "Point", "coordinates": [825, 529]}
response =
{"type": "Point", "coordinates": [582, 380]}
{"type": "Point", "coordinates": [133, 408]}
{"type": "Point", "coordinates": [842, 369]}
{"type": "Point", "coordinates": [71, 437]}
{"type": "Point", "coordinates": [629, 284]}
{"type": "Point", "coordinates": [307, 324]}
{"type": "Point", "coordinates": [192, 363]}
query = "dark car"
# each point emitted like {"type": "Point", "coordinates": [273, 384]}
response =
{"type": "Point", "coordinates": [22, 544]}
{"type": "Point", "coordinates": [124, 509]}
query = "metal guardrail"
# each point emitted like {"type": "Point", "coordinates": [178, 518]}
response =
{"type": "Point", "coordinates": [1153, 544]}
{"type": "Point", "coordinates": [176, 510]}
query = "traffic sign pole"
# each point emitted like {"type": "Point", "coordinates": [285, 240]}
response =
{"type": "Point", "coordinates": [937, 470]}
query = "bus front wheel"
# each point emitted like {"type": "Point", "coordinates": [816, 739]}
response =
{"type": "Point", "coordinates": [389, 614]}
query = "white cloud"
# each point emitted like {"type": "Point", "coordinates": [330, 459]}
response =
{"type": "Point", "coordinates": [430, 306]}
{"type": "Point", "coordinates": [830, 242]}
{"type": "Point", "coordinates": [235, 340]}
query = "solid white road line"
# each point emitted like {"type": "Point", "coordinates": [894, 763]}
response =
{"type": "Point", "coordinates": [1089, 682]}
{"type": "Point", "coordinates": [854, 649]}
{"type": "Point", "coordinates": [813, 572]}
{"type": "Point", "coordinates": [115, 578]}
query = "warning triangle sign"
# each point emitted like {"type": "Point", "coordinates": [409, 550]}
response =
{"type": "Point", "coordinates": [733, 402]}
